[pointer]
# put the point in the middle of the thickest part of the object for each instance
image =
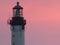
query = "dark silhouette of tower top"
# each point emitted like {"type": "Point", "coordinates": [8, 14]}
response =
{"type": "Point", "coordinates": [17, 6]}
{"type": "Point", "coordinates": [18, 18]}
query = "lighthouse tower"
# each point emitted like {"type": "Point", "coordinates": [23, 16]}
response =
{"type": "Point", "coordinates": [17, 25]}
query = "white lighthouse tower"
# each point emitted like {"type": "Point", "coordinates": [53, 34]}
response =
{"type": "Point", "coordinates": [17, 25]}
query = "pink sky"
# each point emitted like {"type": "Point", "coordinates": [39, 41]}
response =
{"type": "Point", "coordinates": [43, 21]}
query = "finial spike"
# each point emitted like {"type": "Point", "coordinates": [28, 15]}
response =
{"type": "Point", "coordinates": [17, 3]}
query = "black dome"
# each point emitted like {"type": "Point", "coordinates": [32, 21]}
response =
{"type": "Point", "coordinates": [17, 6]}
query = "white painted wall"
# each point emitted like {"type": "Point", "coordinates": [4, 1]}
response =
{"type": "Point", "coordinates": [19, 35]}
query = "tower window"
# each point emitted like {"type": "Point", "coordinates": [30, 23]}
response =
{"type": "Point", "coordinates": [13, 35]}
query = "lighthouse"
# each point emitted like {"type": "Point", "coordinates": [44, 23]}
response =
{"type": "Point", "coordinates": [17, 24]}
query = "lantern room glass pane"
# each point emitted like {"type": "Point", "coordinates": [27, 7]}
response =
{"type": "Point", "coordinates": [17, 12]}
{"type": "Point", "coordinates": [21, 12]}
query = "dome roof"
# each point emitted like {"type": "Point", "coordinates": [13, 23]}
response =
{"type": "Point", "coordinates": [17, 6]}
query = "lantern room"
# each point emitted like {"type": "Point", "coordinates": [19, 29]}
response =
{"type": "Point", "coordinates": [17, 11]}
